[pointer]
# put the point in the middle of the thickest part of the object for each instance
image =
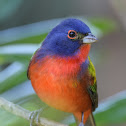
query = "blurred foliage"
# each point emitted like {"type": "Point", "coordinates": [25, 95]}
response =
{"type": "Point", "coordinates": [105, 25]}
{"type": "Point", "coordinates": [115, 114]}
{"type": "Point", "coordinates": [32, 39]}
{"type": "Point", "coordinates": [13, 81]}
{"type": "Point", "coordinates": [31, 103]}
{"type": "Point", "coordinates": [7, 8]}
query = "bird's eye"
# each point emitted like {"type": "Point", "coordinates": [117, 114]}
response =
{"type": "Point", "coordinates": [72, 34]}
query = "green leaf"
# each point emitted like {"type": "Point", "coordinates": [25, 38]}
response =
{"type": "Point", "coordinates": [115, 115]}
{"type": "Point", "coordinates": [14, 80]}
{"type": "Point", "coordinates": [105, 25]}
{"type": "Point", "coordinates": [8, 119]}
{"type": "Point", "coordinates": [7, 8]}
{"type": "Point", "coordinates": [6, 58]}
{"type": "Point", "coordinates": [33, 39]}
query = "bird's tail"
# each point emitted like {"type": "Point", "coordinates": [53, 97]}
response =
{"type": "Point", "coordinates": [90, 121]}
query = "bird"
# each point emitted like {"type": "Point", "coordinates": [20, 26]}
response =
{"type": "Point", "coordinates": [61, 71]}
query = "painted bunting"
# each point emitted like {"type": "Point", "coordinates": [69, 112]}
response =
{"type": "Point", "coordinates": [62, 73]}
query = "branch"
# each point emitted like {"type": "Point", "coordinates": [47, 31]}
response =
{"type": "Point", "coordinates": [19, 111]}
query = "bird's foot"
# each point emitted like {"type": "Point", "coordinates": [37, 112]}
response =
{"type": "Point", "coordinates": [35, 115]}
{"type": "Point", "coordinates": [81, 124]}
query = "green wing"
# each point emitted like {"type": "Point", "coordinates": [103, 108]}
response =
{"type": "Point", "coordinates": [92, 89]}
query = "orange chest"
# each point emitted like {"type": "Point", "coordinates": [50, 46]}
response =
{"type": "Point", "coordinates": [58, 86]}
{"type": "Point", "coordinates": [55, 81]}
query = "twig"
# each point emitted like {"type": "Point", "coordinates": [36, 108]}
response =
{"type": "Point", "coordinates": [19, 111]}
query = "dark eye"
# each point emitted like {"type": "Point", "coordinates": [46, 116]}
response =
{"type": "Point", "coordinates": [72, 34]}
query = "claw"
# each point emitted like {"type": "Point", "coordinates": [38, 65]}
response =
{"type": "Point", "coordinates": [33, 115]}
{"type": "Point", "coordinates": [82, 124]}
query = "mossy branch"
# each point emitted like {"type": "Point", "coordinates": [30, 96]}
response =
{"type": "Point", "coordinates": [21, 112]}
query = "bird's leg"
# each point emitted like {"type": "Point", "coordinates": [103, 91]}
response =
{"type": "Point", "coordinates": [33, 115]}
{"type": "Point", "coordinates": [82, 124]}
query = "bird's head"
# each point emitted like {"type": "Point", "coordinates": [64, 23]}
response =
{"type": "Point", "coordinates": [67, 38]}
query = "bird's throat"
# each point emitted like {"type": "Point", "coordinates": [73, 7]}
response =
{"type": "Point", "coordinates": [83, 52]}
{"type": "Point", "coordinates": [69, 65]}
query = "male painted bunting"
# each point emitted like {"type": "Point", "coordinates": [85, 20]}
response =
{"type": "Point", "coordinates": [61, 72]}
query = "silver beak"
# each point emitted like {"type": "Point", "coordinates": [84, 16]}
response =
{"type": "Point", "coordinates": [89, 39]}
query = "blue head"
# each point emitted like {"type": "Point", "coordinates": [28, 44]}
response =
{"type": "Point", "coordinates": [67, 37]}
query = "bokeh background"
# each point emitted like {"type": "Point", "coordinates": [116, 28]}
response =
{"type": "Point", "coordinates": [23, 26]}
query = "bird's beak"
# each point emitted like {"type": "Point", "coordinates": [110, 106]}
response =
{"type": "Point", "coordinates": [89, 39]}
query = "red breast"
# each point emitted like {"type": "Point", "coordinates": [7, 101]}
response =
{"type": "Point", "coordinates": [55, 81]}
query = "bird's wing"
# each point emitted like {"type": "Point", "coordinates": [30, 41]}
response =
{"type": "Point", "coordinates": [92, 88]}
